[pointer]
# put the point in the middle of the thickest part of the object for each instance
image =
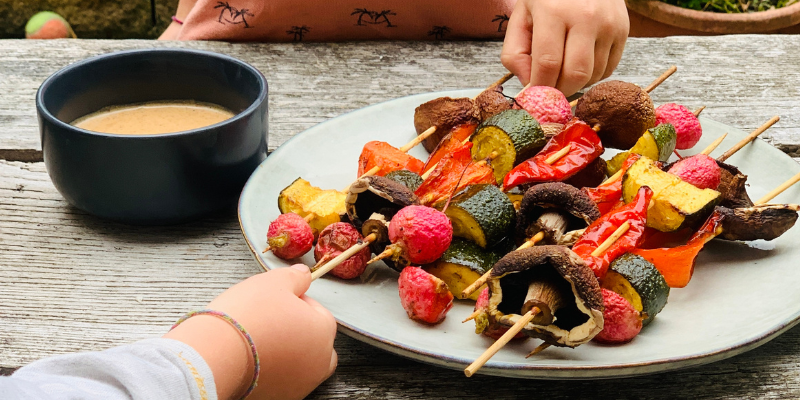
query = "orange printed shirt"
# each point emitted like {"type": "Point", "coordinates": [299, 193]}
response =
{"type": "Point", "coordinates": [333, 20]}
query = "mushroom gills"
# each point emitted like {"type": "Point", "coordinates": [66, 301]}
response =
{"type": "Point", "coordinates": [546, 289]}
{"type": "Point", "coordinates": [376, 194]}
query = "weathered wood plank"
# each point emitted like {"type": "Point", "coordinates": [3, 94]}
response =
{"type": "Point", "coordinates": [66, 276]}
{"type": "Point", "coordinates": [739, 78]}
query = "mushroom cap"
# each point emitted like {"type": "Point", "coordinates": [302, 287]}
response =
{"type": "Point", "coordinates": [576, 323]}
{"type": "Point", "coordinates": [491, 102]}
{"type": "Point", "coordinates": [765, 222]}
{"type": "Point", "coordinates": [376, 194]}
{"type": "Point", "coordinates": [554, 196]}
{"type": "Point", "coordinates": [623, 111]}
{"type": "Point", "coordinates": [732, 187]}
{"type": "Point", "coordinates": [444, 113]}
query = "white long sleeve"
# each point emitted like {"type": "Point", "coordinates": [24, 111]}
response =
{"type": "Point", "coordinates": [150, 369]}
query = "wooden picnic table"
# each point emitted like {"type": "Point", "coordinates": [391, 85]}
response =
{"type": "Point", "coordinates": [72, 282]}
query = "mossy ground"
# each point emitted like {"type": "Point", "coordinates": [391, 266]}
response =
{"type": "Point", "coordinates": [101, 19]}
{"type": "Point", "coordinates": [731, 6]}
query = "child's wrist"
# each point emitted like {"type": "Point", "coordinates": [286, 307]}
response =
{"type": "Point", "coordinates": [225, 350]}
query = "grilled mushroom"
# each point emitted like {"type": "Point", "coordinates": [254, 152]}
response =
{"type": "Point", "coordinates": [491, 102]}
{"type": "Point", "coordinates": [444, 113]}
{"type": "Point", "coordinates": [765, 222]}
{"type": "Point", "coordinates": [732, 187]}
{"type": "Point", "coordinates": [555, 280]}
{"type": "Point", "coordinates": [554, 208]}
{"type": "Point", "coordinates": [379, 225]}
{"type": "Point", "coordinates": [376, 194]}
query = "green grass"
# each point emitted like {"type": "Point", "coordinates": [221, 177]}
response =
{"type": "Point", "coordinates": [731, 6]}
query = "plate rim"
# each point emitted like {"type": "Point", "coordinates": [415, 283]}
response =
{"type": "Point", "coordinates": [504, 369]}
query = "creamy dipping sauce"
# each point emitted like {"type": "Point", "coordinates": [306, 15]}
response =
{"type": "Point", "coordinates": [153, 118]}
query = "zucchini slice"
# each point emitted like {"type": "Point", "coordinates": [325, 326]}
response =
{"type": "Point", "coordinates": [301, 198]}
{"type": "Point", "coordinates": [514, 134]}
{"type": "Point", "coordinates": [657, 144]}
{"type": "Point", "coordinates": [482, 214]}
{"type": "Point", "coordinates": [408, 178]}
{"type": "Point", "coordinates": [676, 204]}
{"type": "Point", "coordinates": [639, 282]}
{"type": "Point", "coordinates": [461, 265]}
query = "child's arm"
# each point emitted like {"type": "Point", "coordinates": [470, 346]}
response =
{"type": "Point", "coordinates": [171, 33]}
{"type": "Point", "coordinates": [293, 334]}
{"type": "Point", "coordinates": [568, 44]}
{"type": "Point", "coordinates": [204, 357]}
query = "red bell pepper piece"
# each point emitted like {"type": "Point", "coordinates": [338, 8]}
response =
{"type": "Point", "coordinates": [388, 158]}
{"type": "Point", "coordinates": [454, 172]}
{"type": "Point", "coordinates": [609, 193]}
{"type": "Point", "coordinates": [676, 264]}
{"type": "Point", "coordinates": [585, 147]}
{"type": "Point", "coordinates": [635, 213]}
{"type": "Point", "coordinates": [449, 143]}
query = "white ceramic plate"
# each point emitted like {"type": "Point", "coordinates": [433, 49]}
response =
{"type": "Point", "coordinates": [741, 296]}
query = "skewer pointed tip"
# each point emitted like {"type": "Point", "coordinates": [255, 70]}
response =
{"type": "Point", "coordinates": [538, 349]}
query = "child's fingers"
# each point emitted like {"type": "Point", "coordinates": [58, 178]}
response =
{"type": "Point", "coordinates": [547, 51]}
{"type": "Point", "coordinates": [614, 55]}
{"type": "Point", "coordinates": [334, 364]}
{"type": "Point", "coordinates": [296, 278]}
{"type": "Point", "coordinates": [602, 52]}
{"type": "Point", "coordinates": [579, 61]}
{"type": "Point", "coordinates": [326, 314]}
{"type": "Point", "coordinates": [516, 53]}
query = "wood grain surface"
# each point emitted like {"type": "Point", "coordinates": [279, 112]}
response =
{"type": "Point", "coordinates": [71, 282]}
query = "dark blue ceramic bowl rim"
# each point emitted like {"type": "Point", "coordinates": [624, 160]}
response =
{"type": "Point", "coordinates": [47, 115]}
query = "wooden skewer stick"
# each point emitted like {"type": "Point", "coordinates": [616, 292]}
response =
{"type": "Point", "coordinates": [538, 349]}
{"type": "Point", "coordinates": [778, 190]}
{"type": "Point", "coordinates": [749, 138]}
{"type": "Point", "coordinates": [496, 346]}
{"type": "Point", "coordinates": [714, 145]}
{"type": "Point", "coordinates": [408, 146]}
{"type": "Point", "coordinates": [698, 111]}
{"type": "Point", "coordinates": [611, 239]}
{"type": "Point", "coordinates": [671, 70]}
{"type": "Point", "coordinates": [388, 252]}
{"type": "Point", "coordinates": [485, 277]}
{"type": "Point", "coordinates": [343, 257]}
{"type": "Point", "coordinates": [557, 155]}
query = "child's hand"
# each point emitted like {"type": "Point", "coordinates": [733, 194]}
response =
{"type": "Point", "coordinates": [293, 334]}
{"type": "Point", "coordinates": [567, 44]}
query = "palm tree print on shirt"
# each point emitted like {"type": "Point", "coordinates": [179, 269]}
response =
{"type": "Point", "coordinates": [375, 17]}
{"type": "Point", "coordinates": [232, 15]}
{"type": "Point", "coordinates": [438, 32]}
{"type": "Point", "coordinates": [298, 32]}
{"type": "Point", "coordinates": [503, 19]}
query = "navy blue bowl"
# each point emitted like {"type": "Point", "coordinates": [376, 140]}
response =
{"type": "Point", "coordinates": [153, 179]}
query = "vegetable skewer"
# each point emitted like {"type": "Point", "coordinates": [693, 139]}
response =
{"type": "Point", "coordinates": [324, 269]}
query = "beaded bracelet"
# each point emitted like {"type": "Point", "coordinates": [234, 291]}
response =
{"type": "Point", "coordinates": [227, 318]}
{"type": "Point", "coordinates": [175, 19]}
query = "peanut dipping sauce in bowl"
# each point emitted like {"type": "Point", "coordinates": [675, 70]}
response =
{"type": "Point", "coordinates": [153, 136]}
{"type": "Point", "coordinates": [153, 118]}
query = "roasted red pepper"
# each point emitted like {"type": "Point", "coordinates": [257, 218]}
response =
{"type": "Point", "coordinates": [449, 143]}
{"type": "Point", "coordinates": [677, 263]}
{"type": "Point", "coordinates": [609, 194]}
{"type": "Point", "coordinates": [388, 158]}
{"type": "Point", "coordinates": [634, 213]}
{"type": "Point", "coordinates": [454, 172]}
{"type": "Point", "coordinates": [585, 147]}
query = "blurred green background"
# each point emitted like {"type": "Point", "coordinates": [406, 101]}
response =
{"type": "Point", "coordinates": [102, 19]}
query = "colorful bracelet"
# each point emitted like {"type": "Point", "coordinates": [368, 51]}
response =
{"type": "Point", "coordinates": [227, 318]}
{"type": "Point", "coordinates": [175, 19]}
